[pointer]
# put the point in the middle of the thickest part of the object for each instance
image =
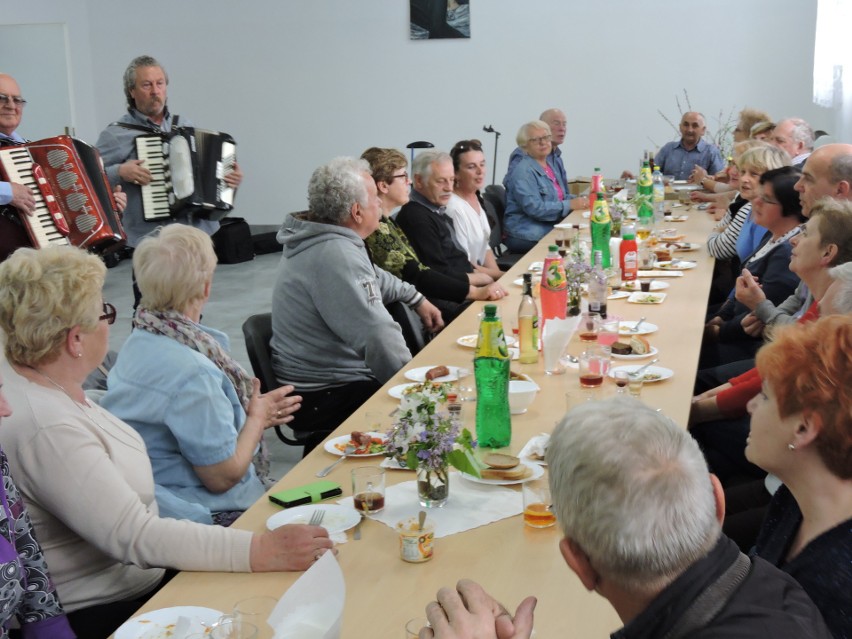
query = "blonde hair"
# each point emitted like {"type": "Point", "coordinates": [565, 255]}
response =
{"type": "Point", "coordinates": [763, 158]}
{"type": "Point", "coordinates": [173, 266]}
{"type": "Point", "coordinates": [44, 293]}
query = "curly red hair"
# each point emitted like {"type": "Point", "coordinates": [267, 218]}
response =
{"type": "Point", "coordinates": [809, 368]}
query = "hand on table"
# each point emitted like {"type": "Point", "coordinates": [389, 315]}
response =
{"type": "Point", "coordinates": [430, 316]}
{"type": "Point", "coordinates": [468, 612]}
{"type": "Point", "coordinates": [132, 171]}
{"type": "Point", "coordinates": [748, 291]}
{"type": "Point", "coordinates": [290, 547]}
{"type": "Point", "coordinates": [698, 174]}
{"type": "Point", "coordinates": [579, 203]}
{"type": "Point", "coordinates": [22, 198]}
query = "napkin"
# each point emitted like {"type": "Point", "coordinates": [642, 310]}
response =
{"type": "Point", "coordinates": [535, 448]}
{"type": "Point", "coordinates": [470, 505]}
{"type": "Point", "coordinates": [557, 333]}
{"type": "Point", "coordinates": [312, 608]}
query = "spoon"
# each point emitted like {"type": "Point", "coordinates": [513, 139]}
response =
{"type": "Point", "coordinates": [641, 370]}
{"type": "Point", "coordinates": [421, 519]}
{"type": "Point", "coordinates": [636, 326]}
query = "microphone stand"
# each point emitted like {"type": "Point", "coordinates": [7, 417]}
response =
{"type": "Point", "coordinates": [490, 129]}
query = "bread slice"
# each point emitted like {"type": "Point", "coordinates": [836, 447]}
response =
{"type": "Point", "coordinates": [501, 461]}
{"type": "Point", "coordinates": [521, 471]}
{"type": "Point", "coordinates": [639, 345]}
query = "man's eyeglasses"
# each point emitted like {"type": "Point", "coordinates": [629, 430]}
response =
{"type": "Point", "coordinates": [540, 140]}
{"type": "Point", "coordinates": [401, 176]}
{"type": "Point", "coordinates": [16, 100]}
{"type": "Point", "coordinates": [109, 313]}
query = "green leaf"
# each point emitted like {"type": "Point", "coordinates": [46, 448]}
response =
{"type": "Point", "coordinates": [463, 461]}
{"type": "Point", "coordinates": [411, 459]}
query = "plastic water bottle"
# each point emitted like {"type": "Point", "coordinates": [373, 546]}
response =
{"type": "Point", "coordinates": [659, 195]}
{"type": "Point", "coordinates": [491, 370]}
{"type": "Point", "coordinates": [528, 324]}
{"type": "Point", "coordinates": [601, 224]}
{"type": "Point", "coordinates": [598, 287]}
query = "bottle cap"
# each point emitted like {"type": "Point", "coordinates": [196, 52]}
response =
{"type": "Point", "coordinates": [597, 169]}
{"type": "Point", "coordinates": [553, 248]}
{"type": "Point", "coordinates": [490, 310]}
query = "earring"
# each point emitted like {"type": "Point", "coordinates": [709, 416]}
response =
{"type": "Point", "coordinates": [79, 354]}
{"type": "Point", "coordinates": [791, 446]}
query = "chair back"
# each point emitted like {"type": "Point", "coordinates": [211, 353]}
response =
{"type": "Point", "coordinates": [412, 328]}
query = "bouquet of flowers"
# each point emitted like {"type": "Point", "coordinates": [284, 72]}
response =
{"type": "Point", "coordinates": [424, 437]}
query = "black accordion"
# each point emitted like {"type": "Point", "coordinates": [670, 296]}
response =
{"type": "Point", "coordinates": [188, 167]}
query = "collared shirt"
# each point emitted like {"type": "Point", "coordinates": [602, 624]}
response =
{"type": "Point", "coordinates": [554, 159]}
{"type": "Point", "coordinates": [675, 159]}
{"type": "Point", "coordinates": [6, 187]}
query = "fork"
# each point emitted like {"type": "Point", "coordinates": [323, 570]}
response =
{"type": "Point", "coordinates": [641, 369]}
{"type": "Point", "coordinates": [316, 517]}
{"type": "Point", "coordinates": [346, 451]}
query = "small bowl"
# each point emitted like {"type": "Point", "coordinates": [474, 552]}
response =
{"type": "Point", "coordinates": [521, 395]}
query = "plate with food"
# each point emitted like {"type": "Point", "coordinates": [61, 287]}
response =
{"type": "Point", "coordinates": [646, 298]}
{"type": "Point", "coordinates": [505, 470]}
{"type": "Point", "coordinates": [369, 444]}
{"type": "Point", "coordinates": [635, 286]}
{"type": "Point", "coordinates": [677, 185]}
{"type": "Point", "coordinates": [637, 347]}
{"type": "Point", "coordinates": [336, 519]}
{"type": "Point", "coordinates": [652, 373]}
{"type": "Point", "coordinates": [624, 328]}
{"type": "Point", "coordinates": [169, 621]}
{"type": "Point", "coordinates": [536, 267]}
{"type": "Point", "coordinates": [683, 246]}
{"type": "Point", "coordinates": [676, 265]}
{"type": "Point", "coordinates": [618, 295]}
{"type": "Point", "coordinates": [675, 218]}
{"type": "Point", "coordinates": [469, 341]}
{"type": "Point", "coordinates": [669, 235]}
{"type": "Point", "coordinates": [433, 374]}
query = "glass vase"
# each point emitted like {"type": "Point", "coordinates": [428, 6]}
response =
{"type": "Point", "coordinates": [433, 486]}
{"type": "Point", "coordinates": [575, 292]}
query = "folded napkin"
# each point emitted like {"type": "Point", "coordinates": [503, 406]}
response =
{"type": "Point", "coordinates": [555, 337]}
{"type": "Point", "coordinates": [312, 608]}
{"type": "Point", "coordinates": [470, 505]}
{"type": "Point", "coordinates": [535, 448]}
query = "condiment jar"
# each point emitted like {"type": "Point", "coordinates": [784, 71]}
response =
{"type": "Point", "coordinates": [415, 545]}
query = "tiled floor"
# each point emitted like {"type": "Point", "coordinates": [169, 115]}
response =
{"type": "Point", "coordinates": [239, 290]}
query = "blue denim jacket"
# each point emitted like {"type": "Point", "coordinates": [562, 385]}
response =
{"type": "Point", "coordinates": [187, 411]}
{"type": "Point", "coordinates": [532, 204]}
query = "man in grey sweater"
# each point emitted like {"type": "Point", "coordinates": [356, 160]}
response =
{"type": "Point", "coordinates": [332, 337]}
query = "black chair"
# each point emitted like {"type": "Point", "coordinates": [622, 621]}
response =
{"type": "Point", "coordinates": [257, 331]}
{"type": "Point", "coordinates": [412, 328]}
{"type": "Point", "coordinates": [494, 198]}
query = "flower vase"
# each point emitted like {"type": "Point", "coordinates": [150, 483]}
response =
{"type": "Point", "coordinates": [433, 486]}
{"type": "Point", "coordinates": [574, 293]}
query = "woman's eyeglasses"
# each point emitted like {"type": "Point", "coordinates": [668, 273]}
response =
{"type": "Point", "coordinates": [109, 313]}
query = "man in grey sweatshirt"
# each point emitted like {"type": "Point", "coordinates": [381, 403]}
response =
{"type": "Point", "coordinates": [332, 337]}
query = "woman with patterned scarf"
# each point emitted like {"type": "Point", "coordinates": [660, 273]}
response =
{"type": "Point", "coordinates": [201, 415]}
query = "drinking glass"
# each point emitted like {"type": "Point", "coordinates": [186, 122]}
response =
{"type": "Point", "coordinates": [233, 629]}
{"type": "Point", "coordinates": [413, 626]}
{"type": "Point", "coordinates": [634, 384]}
{"type": "Point", "coordinates": [256, 611]}
{"type": "Point", "coordinates": [621, 380]}
{"type": "Point", "coordinates": [368, 489]}
{"type": "Point", "coordinates": [588, 327]}
{"type": "Point", "coordinates": [608, 331]}
{"type": "Point", "coordinates": [594, 365]}
{"type": "Point", "coordinates": [537, 504]}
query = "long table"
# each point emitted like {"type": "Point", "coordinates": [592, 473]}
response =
{"type": "Point", "coordinates": [510, 559]}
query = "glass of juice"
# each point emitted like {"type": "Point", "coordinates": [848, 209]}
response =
{"type": "Point", "coordinates": [594, 365]}
{"type": "Point", "coordinates": [368, 488]}
{"type": "Point", "coordinates": [538, 511]}
{"type": "Point", "coordinates": [608, 331]}
{"type": "Point", "coordinates": [588, 327]}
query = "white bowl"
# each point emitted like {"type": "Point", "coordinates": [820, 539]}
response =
{"type": "Point", "coordinates": [521, 395]}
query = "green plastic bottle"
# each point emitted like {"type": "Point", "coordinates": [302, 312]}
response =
{"type": "Point", "coordinates": [491, 370]}
{"type": "Point", "coordinates": [645, 212]}
{"type": "Point", "coordinates": [601, 230]}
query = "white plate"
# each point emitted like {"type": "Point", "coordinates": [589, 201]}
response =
{"type": "Point", "coordinates": [587, 215]}
{"type": "Point", "coordinates": [537, 471]}
{"type": "Point", "coordinates": [617, 295]}
{"type": "Point", "coordinates": [647, 327]}
{"type": "Point", "coordinates": [469, 341]}
{"type": "Point", "coordinates": [419, 374]}
{"type": "Point", "coordinates": [344, 439]}
{"type": "Point", "coordinates": [646, 298]}
{"type": "Point", "coordinates": [675, 218]}
{"type": "Point", "coordinates": [569, 227]}
{"type": "Point", "coordinates": [681, 265]}
{"type": "Point", "coordinates": [683, 246]}
{"type": "Point", "coordinates": [166, 618]}
{"type": "Point", "coordinates": [536, 267]}
{"type": "Point", "coordinates": [397, 391]}
{"type": "Point", "coordinates": [650, 353]}
{"type": "Point", "coordinates": [337, 518]}
{"type": "Point", "coordinates": [664, 373]}
{"type": "Point", "coordinates": [685, 187]}
{"type": "Point", "coordinates": [655, 286]}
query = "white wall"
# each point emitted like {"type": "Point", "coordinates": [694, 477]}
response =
{"type": "Point", "coordinates": [299, 82]}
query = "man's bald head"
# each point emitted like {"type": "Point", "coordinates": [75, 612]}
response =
{"type": "Point", "coordinates": [558, 124]}
{"type": "Point", "coordinates": [10, 112]}
{"type": "Point", "coordinates": [827, 173]}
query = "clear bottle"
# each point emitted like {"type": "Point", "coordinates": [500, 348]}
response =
{"type": "Point", "coordinates": [659, 194]}
{"type": "Point", "coordinates": [629, 255]}
{"type": "Point", "coordinates": [491, 370]}
{"type": "Point", "coordinates": [554, 287]}
{"type": "Point", "coordinates": [597, 187]}
{"type": "Point", "coordinates": [601, 224]}
{"type": "Point", "coordinates": [528, 324]}
{"type": "Point", "coordinates": [598, 287]}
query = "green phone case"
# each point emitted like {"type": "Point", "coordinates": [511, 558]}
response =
{"type": "Point", "coordinates": [307, 494]}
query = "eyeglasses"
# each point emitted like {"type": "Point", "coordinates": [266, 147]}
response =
{"type": "Point", "coordinates": [15, 100]}
{"type": "Point", "coordinates": [540, 140]}
{"type": "Point", "coordinates": [401, 176]}
{"type": "Point", "coordinates": [109, 313]}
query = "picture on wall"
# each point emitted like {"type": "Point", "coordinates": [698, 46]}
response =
{"type": "Point", "coordinates": [433, 19]}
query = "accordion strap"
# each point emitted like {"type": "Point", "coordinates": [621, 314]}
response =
{"type": "Point", "coordinates": [143, 128]}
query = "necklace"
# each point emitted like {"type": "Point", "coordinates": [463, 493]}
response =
{"type": "Point", "coordinates": [52, 381]}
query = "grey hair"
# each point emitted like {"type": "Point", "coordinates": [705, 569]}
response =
{"type": "Point", "coordinates": [130, 75]}
{"type": "Point", "coordinates": [335, 187]}
{"type": "Point", "coordinates": [843, 298]}
{"type": "Point", "coordinates": [523, 136]}
{"type": "Point", "coordinates": [840, 169]}
{"type": "Point", "coordinates": [632, 489]}
{"type": "Point", "coordinates": [423, 162]}
{"type": "Point", "coordinates": [801, 131]}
